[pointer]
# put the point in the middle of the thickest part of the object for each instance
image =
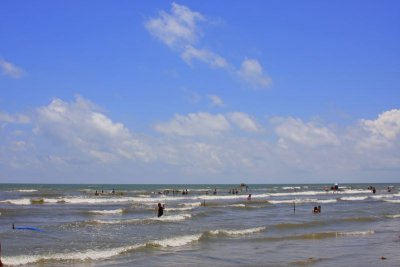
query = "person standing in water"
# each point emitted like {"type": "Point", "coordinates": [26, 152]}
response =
{"type": "Point", "coordinates": [1, 264]}
{"type": "Point", "coordinates": [160, 210]}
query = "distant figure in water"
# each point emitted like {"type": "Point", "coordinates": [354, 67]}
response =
{"type": "Point", "coordinates": [249, 197]}
{"type": "Point", "coordinates": [317, 209]}
{"type": "Point", "coordinates": [160, 210]}
{"type": "Point", "coordinates": [96, 194]}
{"type": "Point", "coordinates": [1, 264]}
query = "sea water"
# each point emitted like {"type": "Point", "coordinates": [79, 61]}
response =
{"type": "Point", "coordinates": [64, 225]}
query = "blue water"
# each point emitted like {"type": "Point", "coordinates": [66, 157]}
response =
{"type": "Point", "coordinates": [64, 225]}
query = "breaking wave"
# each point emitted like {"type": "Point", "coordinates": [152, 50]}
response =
{"type": "Point", "coordinates": [91, 255]}
{"type": "Point", "coordinates": [237, 232]}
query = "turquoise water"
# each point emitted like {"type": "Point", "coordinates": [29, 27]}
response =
{"type": "Point", "coordinates": [64, 225]}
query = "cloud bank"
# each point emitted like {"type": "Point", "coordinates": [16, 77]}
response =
{"type": "Point", "coordinates": [198, 145]}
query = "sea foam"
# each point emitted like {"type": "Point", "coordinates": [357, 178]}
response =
{"type": "Point", "coordinates": [237, 232]}
{"type": "Point", "coordinates": [98, 254]}
{"type": "Point", "coordinates": [117, 211]}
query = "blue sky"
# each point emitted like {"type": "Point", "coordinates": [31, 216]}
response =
{"type": "Point", "coordinates": [199, 92]}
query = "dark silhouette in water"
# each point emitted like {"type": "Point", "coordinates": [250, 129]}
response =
{"type": "Point", "coordinates": [160, 210]}
{"type": "Point", "coordinates": [1, 264]}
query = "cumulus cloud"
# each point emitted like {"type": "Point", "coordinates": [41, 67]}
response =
{"type": "Point", "coordinates": [383, 131]}
{"type": "Point", "coordinates": [10, 69]}
{"type": "Point", "coordinates": [91, 132]}
{"type": "Point", "coordinates": [244, 122]}
{"type": "Point", "coordinates": [204, 55]}
{"type": "Point", "coordinates": [387, 125]}
{"type": "Point", "coordinates": [194, 124]}
{"type": "Point", "coordinates": [175, 28]}
{"type": "Point", "coordinates": [252, 72]}
{"type": "Point", "coordinates": [16, 118]}
{"type": "Point", "coordinates": [72, 134]}
{"type": "Point", "coordinates": [297, 131]}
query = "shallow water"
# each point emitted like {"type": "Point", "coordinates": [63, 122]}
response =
{"type": "Point", "coordinates": [63, 225]}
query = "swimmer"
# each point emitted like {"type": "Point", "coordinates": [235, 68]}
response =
{"type": "Point", "coordinates": [249, 197]}
{"type": "Point", "coordinates": [160, 210]}
{"type": "Point", "coordinates": [315, 211]}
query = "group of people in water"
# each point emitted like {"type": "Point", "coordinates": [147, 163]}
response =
{"type": "Point", "coordinates": [102, 192]}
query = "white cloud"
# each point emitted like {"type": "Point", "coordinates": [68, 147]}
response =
{"type": "Point", "coordinates": [295, 130]}
{"type": "Point", "coordinates": [75, 137]}
{"type": "Point", "coordinates": [179, 31]}
{"type": "Point", "coordinates": [17, 118]}
{"type": "Point", "coordinates": [79, 125]}
{"type": "Point", "coordinates": [216, 100]}
{"type": "Point", "coordinates": [252, 72]}
{"type": "Point", "coordinates": [387, 125]}
{"type": "Point", "coordinates": [10, 70]}
{"type": "Point", "coordinates": [212, 59]}
{"type": "Point", "coordinates": [383, 131]}
{"type": "Point", "coordinates": [177, 28]}
{"type": "Point", "coordinates": [195, 124]}
{"type": "Point", "coordinates": [244, 122]}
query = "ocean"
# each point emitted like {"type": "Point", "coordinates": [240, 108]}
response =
{"type": "Point", "coordinates": [64, 225]}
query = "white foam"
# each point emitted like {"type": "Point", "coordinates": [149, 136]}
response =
{"type": "Point", "coordinates": [26, 190]}
{"type": "Point", "coordinates": [21, 201]}
{"type": "Point", "coordinates": [393, 216]}
{"type": "Point", "coordinates": [356, 233]}
{"type": "Point", "coordinates": [291, 187]}
{"type": "Point", "coordinates": [382, 196]}
{"type": "Point", "coordinates": [353, 198]}
{"type": "Point", "coordinates": [117, 211]}
{"type": "Point", "coordinates": [301, 200]}
{"type": "Point", "coordinates": [176, 241]}
{"type": "Point", "coordinates": [392, 200]}
{"type": "Point", "coordinates": [165, 218]}
{"type": "Point", "coordinates": [79, 256]}
{"type": "Point", "coordinates": [179, 209]}
{"type": "Point", "coordinates": [238, 232]}
{"type": "Point", "coordinates": [193, 204]}
{"type": "Point", "coordinates": [97, 254]}
{"type": "Point", "coordinates": [237, 205]}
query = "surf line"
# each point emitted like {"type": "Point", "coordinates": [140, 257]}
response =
{"type": "Point", "coordinates": [26, 228]}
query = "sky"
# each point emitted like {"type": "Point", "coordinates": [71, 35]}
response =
{"type": "Point", "coordinates": [199, 91]}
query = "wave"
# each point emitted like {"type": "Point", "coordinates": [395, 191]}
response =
{"type": "Point", "coordinates": [175, 241]}
{"type": "Point", "coordinates": [192, 204]}
{"type": "Point", "coordinates": [302, 200]}
{"type": "Point", "coordinates": [393, 216]}
{"type": "Point", "coordinates": [324, 235]}
{"type": "Point", "coordinates": [318, 236]}
{"type": "Point", "coordinates": [237, 232]}
{"type": "Point", "coordinates": [117, 211]}
{"type": "Point", "coordinates": [26, 190]}
{"type": "Point", "coordinates": [165, 218]}
{"type": "Point", "coordinates": [179, 209]}
{"type": "Point", "coordinates": [91, 255]}
{"type": "Point", "coordinates": [298, 225]}
{"type": "Point", "coordinates": [20, 201]}
{"type": "Point", "coordinates": [359, 219]}
{"type": "Point", "coordinates": [179, 241]}
{"type": "Point", "coordinates": [392, 200]}
{"type": "Point", "coordinates": [353, 198]}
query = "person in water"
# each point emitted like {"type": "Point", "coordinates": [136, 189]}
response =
{"type": "Point", "coordinates": [1, 264]}
{"type": "Point", "coordinates": [160, 210]}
